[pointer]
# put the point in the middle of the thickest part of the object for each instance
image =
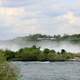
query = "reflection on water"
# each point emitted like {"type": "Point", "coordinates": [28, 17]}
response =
{"type": "Point", "coordinates": [49, 71]}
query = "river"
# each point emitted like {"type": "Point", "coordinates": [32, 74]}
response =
{"type": "Point", "coordinates": [49, 70]}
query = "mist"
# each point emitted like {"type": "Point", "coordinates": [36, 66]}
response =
{"type": "Point", "coordinates": [56, 45]}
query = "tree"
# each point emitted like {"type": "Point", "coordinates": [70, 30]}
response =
{"type": "Point", "coordinates": [52, 51]}
{"type": "Point", "coordinates": [9, 54]}
{"type": "Point", "coordinates": [42, 57]}
{"type": "Point", "coordinates": [63, 51]}
{"type": "Point", "coordinates": [28, 54]}
{"type": "Point", "coordinates": [51, 56]}
{"type": "Point", "coordinates": [57, 36]}
{"type": "Point", "coordinates": [34, 47]}
{"type": "Point", "coordinates": [46, 50]}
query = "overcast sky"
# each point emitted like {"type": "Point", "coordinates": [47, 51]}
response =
{"type": "Point", "coordinates": [22, 17]}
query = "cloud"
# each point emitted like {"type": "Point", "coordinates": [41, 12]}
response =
{"type": "Point", "coordinates": [67, 23]}
{"type": "Point", "coordinates": [71, 17]}
{"type": "Point", "coordinates": [11, 11]}
{"type": "Point", "coordinates": [8, 16]}
{"type": "Point", "coordinates": [19, 17]}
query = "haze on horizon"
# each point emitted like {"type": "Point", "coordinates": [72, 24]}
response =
{"type": "Point", "coordinates": [22, 17]}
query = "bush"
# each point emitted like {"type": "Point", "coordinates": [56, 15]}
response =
{"type": "Point", "coordinates": [51, 56]}
{"type": "Point", "coordinates": [6, 71]}
{"type": "Point", "coordinates": [28, 54]}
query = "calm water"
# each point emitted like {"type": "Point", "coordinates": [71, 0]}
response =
{"type": "Point", "coordinates": [49, 71]}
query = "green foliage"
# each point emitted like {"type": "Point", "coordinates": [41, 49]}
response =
{"type": "Point", "coordinates": [9, 54]}
{"type": "Point", "coordinates": [35, 54]}
{"type": "Point", "coordinates": [41, 57]}
{"type": "Point", "coordinates": [6, 72]}
{"type": "Point", "coordinates": [46, 51]}
{"type": "Point", "coordinates": [51, 56]}
{"type": "Point", "coordinates": [63, 51]}
{"type": "Point", "coordinates": [28, 54]}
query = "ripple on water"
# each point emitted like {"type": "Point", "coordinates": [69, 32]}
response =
{"type": "Point", "coordinates": [49, 70]}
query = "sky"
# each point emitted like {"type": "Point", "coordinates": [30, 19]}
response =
{"type": "Point", "coordinates": [23, 17]}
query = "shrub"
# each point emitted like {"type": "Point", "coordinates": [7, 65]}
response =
{"type": "Point", "coordinates": [6, 71]}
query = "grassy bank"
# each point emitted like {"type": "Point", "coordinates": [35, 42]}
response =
{"type": "Point", "coordinates": [6, 71]}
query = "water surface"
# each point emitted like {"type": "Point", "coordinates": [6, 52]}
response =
{"type": "Point", "coordinates": [49, 70]}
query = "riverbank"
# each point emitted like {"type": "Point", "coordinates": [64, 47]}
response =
{"type": "Point", "coordinates": [36, 54]}
{"type": "Point", "coordinates": [7, 71]}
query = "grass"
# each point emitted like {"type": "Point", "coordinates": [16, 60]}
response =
{"type": "Point", "coordinates": [7, 70]}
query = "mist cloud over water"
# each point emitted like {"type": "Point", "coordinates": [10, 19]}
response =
{"type": "Point", "coordinates": [57, 46]}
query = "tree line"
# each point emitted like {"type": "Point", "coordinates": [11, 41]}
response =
{"type": "Point", "coordinates": [36, 54]}
{"type": "Point", "coordinates": [36, 37]}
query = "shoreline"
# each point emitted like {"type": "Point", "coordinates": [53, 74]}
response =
{"type": "Point", "coordinates": [72, 60]}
